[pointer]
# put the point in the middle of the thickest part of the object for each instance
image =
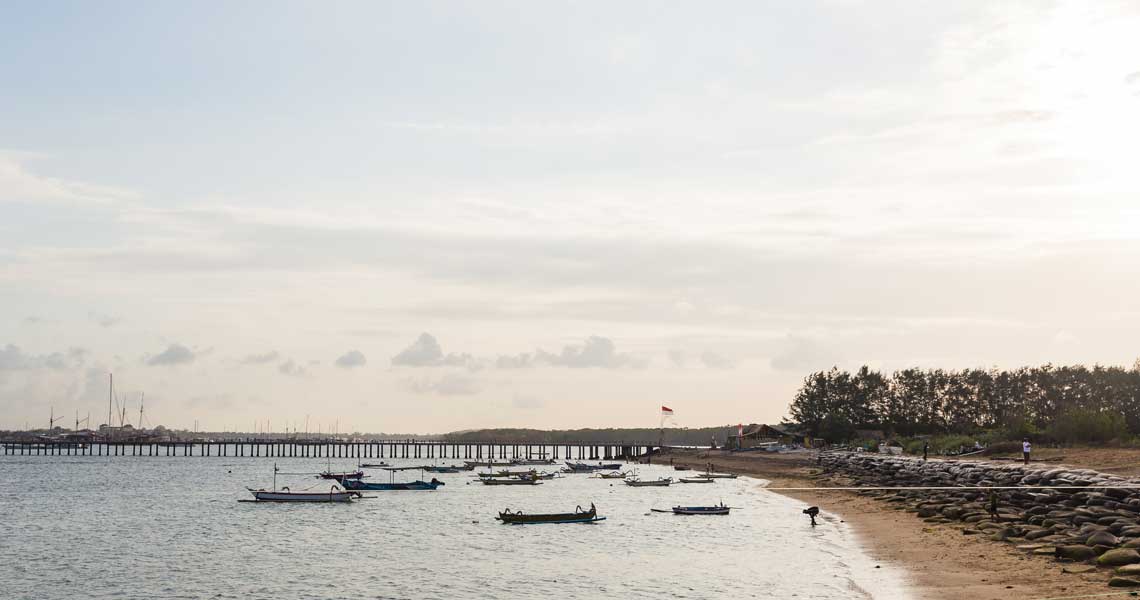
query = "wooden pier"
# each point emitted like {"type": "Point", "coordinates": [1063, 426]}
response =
{"type": "Point", "coordinates": [414, 449]}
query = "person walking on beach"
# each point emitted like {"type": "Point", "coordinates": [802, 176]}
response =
{"type": "Point", "coordinates": [993, 507]}
{"type": "Point", "coordinates": [925, 449]}
{"type": "Point", "coordinates": [1026, 448]}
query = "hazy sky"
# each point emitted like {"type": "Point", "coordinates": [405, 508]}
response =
{"type": "Point", "coordinates": [437, 216]}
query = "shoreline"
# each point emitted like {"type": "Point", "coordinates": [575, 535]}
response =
{"type": "Point", "coordinates": [938, 561]}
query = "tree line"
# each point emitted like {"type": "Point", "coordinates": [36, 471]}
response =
{"type": "Point", "coordinates": [1067, 403]}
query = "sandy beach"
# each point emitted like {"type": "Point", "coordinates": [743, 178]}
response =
{"type": "Point", "coordinates": [941, 562]}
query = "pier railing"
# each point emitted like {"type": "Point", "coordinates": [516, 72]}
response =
{"type": "Point", "coordinates": [486, 451]}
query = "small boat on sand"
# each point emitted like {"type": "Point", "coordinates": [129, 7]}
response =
{"type": "Point", "coordinates": [718, 475]}
{"type": "Point", "coordinates": [681, 468]}
{"type": "Point", "coordinates": [578, 516]}
{"type": "Point", "coordinates": [532, 461]}
{"type": "Point", "coordinates": [614, 475]}
{"type": "Point", "coordinates": [442, 469]}
{"type": "Point", "coordinates": [697, 480]}
{"type": "Point", "coordinates": [373, 465]}
{"type": "Point", "coordinates": [663, 482]}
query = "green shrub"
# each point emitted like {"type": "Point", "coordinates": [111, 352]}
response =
{"type": "Point", "coordinates": [1085, 425]}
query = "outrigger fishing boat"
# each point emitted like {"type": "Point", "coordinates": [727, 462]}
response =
{"type": "Point", "coordinates": [696, 480]}
{"type": "Point", "coordinates": [442, 469]}
{"type": "Point", "coordinates": [393, 485]}
{"type": "Point", "coordinates": [581, 467]}
{"type": "Point", "coordinates": [510, 481]}
{"type": "Point", "coordinates": [509, 473]}
{"type": "Point", "coordinates": [614, 475]}
{"type": "Point", "coordinates": [718, 475]}
{"type": "Point", "coordinates": [662, 482]}
{"type": "Point", "coordinates": [578, 516]}
{"type": "Point", "coordinates": [335, 494]}
{"type": "Point", "coordinates": [719, 509]}
{"type": "Point", "coordinates": [341, 476]}
{"type": "Point", "coordinates": [373, 465]}
{"type": "Point", "coordinates": [532, 461]}
{"type": "Point", "coordinates": [471, 465]}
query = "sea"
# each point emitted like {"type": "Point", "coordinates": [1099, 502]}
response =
{"type": "Point", "coordinates": [173, 527]}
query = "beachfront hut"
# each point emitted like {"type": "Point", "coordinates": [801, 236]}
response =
{"type": "Point", "coordinates": [755, 436]}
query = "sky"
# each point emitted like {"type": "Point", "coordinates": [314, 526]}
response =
{"type": "Point", "coordinates": [426, 217]}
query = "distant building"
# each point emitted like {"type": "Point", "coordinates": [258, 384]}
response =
{"type": "Point", "coordinates": [756, 436]}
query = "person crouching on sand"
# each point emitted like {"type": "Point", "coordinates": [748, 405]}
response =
{"type": "Point", "coordinates": [1026, 448]}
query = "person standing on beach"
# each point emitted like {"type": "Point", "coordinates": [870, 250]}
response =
{"type": "Point", "coordinates": [925, 449]}
{"type": "Point", "coordinates": [1026, 448]}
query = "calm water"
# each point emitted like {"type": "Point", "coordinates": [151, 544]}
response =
{"type": "Point", "coordinates": [155, 527]}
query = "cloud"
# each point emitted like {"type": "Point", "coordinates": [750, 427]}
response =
{"type": "Point", "coordinates": [596, 352]}
{"type": "Point", "coordinates": [451, 384]}
{"type": "Point", "coordinates": [426, 352]}
{"type": "Point", "coordinates": [103, 320]}
{"type": "Point", "coordinates": [18, 184]}
{"type": "Point", "coordinates": [351, 359]}
{"type": "Point", "coordinates": [713, 360]}
{"type": "Point", "coordinates": [261, 359]}
{"type": "Point", "coordinates": [176, 354]}
{"type": "Point", "coordinates": [12, 358]}
{"type": "Point", "coordinates": [291, 368]}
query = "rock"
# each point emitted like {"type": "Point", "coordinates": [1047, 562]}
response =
{"type": "Point", "coordinates": [1044, 551]}
{"type": "Point", "coordinates": [1078, 569]}
{"type": "Point", "coordinates": [1129, 570]}
{"type": "Point", "coordinates": [1123, 582]}
{"type": "Point", "coordinates": [1075, 553]}
{"type": "Point", "coordinates": [1117, 557]}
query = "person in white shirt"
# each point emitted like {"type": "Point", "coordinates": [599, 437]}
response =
{"type": "Point", "coordinates": [1026, 448]}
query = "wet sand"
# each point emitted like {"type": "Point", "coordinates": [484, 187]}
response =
{"type": "Point", "coordinates": [941, 562]}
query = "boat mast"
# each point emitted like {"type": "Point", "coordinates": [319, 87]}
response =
{"type": "Point", "coordinates": [110, 394]}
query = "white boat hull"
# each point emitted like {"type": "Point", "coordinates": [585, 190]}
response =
{"type": "Point", "coordinates": [287, 496]}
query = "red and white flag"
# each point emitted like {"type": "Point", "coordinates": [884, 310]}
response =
{"type": "Point", "coordinates": [666, 411]}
